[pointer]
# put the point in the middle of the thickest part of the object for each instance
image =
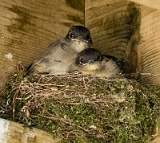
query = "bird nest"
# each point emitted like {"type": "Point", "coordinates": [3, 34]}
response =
{"type": "Point", "coordinates": [83, 109]}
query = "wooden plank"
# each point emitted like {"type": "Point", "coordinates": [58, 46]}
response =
{"type": "Point", "coordinates": [108, 25]}
{"type": "Point", "coordinates": [11, 132]}
{"type": "Point", "coordinates": [149, 3]}
{"type": "Point", "coordinates": [156, 135]}
{"type": "Point", "coordinates": [156, 140]}
{"type": "Point", "coordinates": [149, 47]}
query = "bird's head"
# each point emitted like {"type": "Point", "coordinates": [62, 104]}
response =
{"type": "Point", "coordinates": [80, 37]}
{"type": "Point", "coordinates": [89, 59]}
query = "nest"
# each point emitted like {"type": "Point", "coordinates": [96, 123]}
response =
{"type": "Point", "coordinates": [83, 109]}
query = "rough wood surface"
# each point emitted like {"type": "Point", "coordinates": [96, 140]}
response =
{"type": "Point", "coordinates": [109, 22]}
{"type": "Point", "coordinates": [149, 3]}
{"type": "Point", "coordinates": [149, 48]}
{"type": "Point", "coordinates": [156, 136]}
{"type": "Point", "coordinates": [11, 132]}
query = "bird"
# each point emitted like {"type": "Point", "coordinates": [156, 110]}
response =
{"type": "Point", "coordinates": [120, 63]}
{"type": "Point", "coordinates": [90, 61]}
{"type": "Point", "coordinates": [60, 54]}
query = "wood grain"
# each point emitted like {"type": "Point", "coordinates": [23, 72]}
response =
{"type": "Point", "coordinates": [149, 48]}
{"type": "Point", "coordinates": [149, 3]}
{"type": "Point", "coordinates": [12, 132]}
{"type": "Point", "coordinates": [110, 23]}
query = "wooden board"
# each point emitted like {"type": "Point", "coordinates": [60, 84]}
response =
{"type": "Point", "coordinates": [156, 136]}
{"type": "Point", "coordinates": [149, 48]}
{"type": "Point", "coordinates": [107, 21]}
{"type": "Point", "coordinates": [149, 3]}
{"type": "Point", "coordinates": [11, 132]}
{"type": "Point", "coordinates": [155, 140]}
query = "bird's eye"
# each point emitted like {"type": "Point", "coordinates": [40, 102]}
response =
{"type": "Point", "coordinates": [88, 38]}
{"type": "Point", "coordinates": [81, 61]}
{"type": "Point", "coordinates": [99, 58]}
{"type": "Point", "coordinates": [71, 35]}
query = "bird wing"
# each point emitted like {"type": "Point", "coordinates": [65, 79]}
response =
{"type": "Point", "coordinates": [57, 57]}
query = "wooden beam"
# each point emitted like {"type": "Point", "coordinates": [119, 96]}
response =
{"type": "Point", "coordinates": [149, 3]}
{"type": "Point", "coordinates": [148, 49]}
{"type": "Point", "coordinates": [11, 132]}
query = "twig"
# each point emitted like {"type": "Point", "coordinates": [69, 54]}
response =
{"type": "Point", "coordinates": [57, 119]}
{"type": "Point", "coordinates": [14, 102]}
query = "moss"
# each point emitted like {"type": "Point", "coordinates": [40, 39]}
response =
{"type": "Point", "coordinates": [84, 109]}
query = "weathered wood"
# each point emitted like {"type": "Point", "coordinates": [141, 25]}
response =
{"type": "Point", "coordinates": [156, 135]}
{"type": "Point", "coordinates": [11, 132]}
{"type": "Point", "coordinates": [109, 22]}
{"type": "Point", "coordinates": [149, 48]}
{"type": "Point", "coordinates": [156, 140]}
{"type": "Point", "coordinates": [28, 27]}
{"type": "Point", "coordinates": [149, 3]}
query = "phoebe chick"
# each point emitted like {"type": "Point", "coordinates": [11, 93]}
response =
{"type": "Point", "coordinates": [91, 61]}
{"type": "Point", "coordinates": [60, 55]}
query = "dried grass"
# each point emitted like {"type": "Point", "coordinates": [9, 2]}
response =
{"type": "Point", "coordinates": [78, 108]}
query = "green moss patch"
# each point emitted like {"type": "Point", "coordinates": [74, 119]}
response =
{"type": "Point", "coordinates": [83, 109]}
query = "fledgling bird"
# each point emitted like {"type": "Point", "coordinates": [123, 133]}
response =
{"type": "Point", "coordinates": [60, 54]}
{"type": "Point", "coordinates": [91, 61]}
{"type": "Point", "coordinates": [119, 63]}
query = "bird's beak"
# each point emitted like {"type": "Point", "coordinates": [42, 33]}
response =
{"type": "Point", "coordinates": [80, 38]}
{"type": "Point", "coordinates": [91, 61]}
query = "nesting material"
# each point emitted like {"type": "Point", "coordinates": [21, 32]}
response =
{"type": "Point", "coordinates": [78, 108]}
